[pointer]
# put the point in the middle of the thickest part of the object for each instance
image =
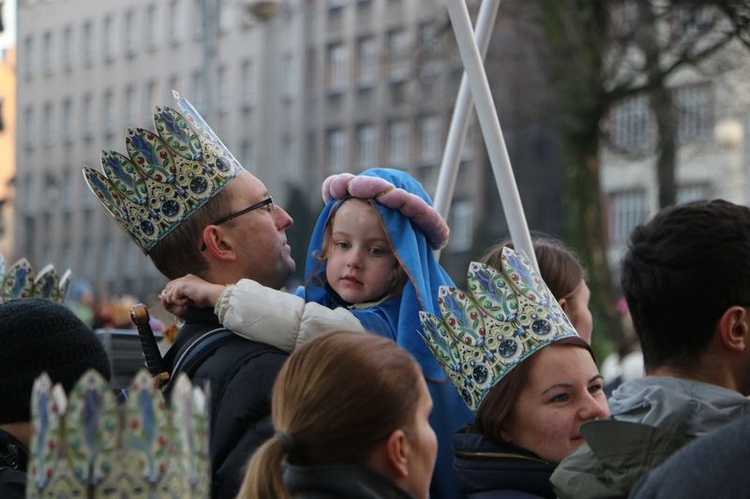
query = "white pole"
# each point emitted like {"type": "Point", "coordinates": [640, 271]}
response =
{"type": "Point", "coordinates": [490, 125]}
{"type": "Point", "coordinates": [461, 112]}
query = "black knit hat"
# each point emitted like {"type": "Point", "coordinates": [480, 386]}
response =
{"type": "Point", "coordinates": [36, 336]}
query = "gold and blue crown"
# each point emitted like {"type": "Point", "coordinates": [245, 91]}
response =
{"type": "Point", "coordinates": [89, 445]}
{"type": "Point", "coordinates": [20, 281]}
{"type": "Point", "coordinates": [166, 175]}
{"type": "Point", "coordinates": [506, 316]}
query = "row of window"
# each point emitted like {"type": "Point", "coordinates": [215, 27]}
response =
{"type": "Point", "coordinates": [129, 106]}
{"type": "Point", "coordinates": [126, 35]}
{"type": "Point", "coordinates": [632, 124]}
{"type": "Point", "coordinates": [398, 144]}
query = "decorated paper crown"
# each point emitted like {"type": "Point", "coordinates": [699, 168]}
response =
{"type": "Point", "coordinates": [88, 445]}
{"type": "Point", "coordinates": [423, 215]}
{"type": "Point", "coordinates": [165, 176]}
{"type": "Point", "coordinates": [19, 281]}
{"type": "Point", "coordinates": [506, 316]}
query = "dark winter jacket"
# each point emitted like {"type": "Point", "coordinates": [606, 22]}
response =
{"type": "Point", "coordinates": [486, 469]}
{"type": "Point", "coordinates": [340, 481]}
{"type": "Point", "coordinates": [14, 457]}
{"type": "Point", "coordinates": [241, 374]}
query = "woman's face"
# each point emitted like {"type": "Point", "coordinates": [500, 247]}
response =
{"type": "Point", "coordinates": [576, 307]}
{"type": "Point", "coordinates": [423, 446]}
{"type": "Point", "coordinates": [563, 391]}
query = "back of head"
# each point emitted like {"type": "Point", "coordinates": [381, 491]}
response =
{"type": "Point", "coordinates": [334, 400]}
{"type": "Point", "coordinates": [681, 271]}
{"type": "Point", "coordinates": [36, 336]}
{"type": "Point", "coordinates": [558, 266]}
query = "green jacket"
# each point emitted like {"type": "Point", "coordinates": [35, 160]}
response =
{"type": "Point", "coordinates": [615, 456]}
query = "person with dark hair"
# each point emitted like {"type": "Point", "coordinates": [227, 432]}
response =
{"type": "Point", "coordinates": [519, 364]}
{"type": "Point", "coordinates": [351, 418]}
{"type": "Point", "coordinates": [687, 284]}
{"type": "Point", "coordinates": [191, 207]}
{"type": "Point", "coordinates": [563, 274]}
{"type": "Point", "coordinates": [36, 336]}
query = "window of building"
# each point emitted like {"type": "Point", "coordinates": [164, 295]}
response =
{"type": "Point", "coordinates": [196, 90]}
{"type": "Point", "coordinates": [131, 106]}
{"type": "Point", "coordinates": [175, 21]}
{"type": "Point", "coordinates": [87, 115]}
{"type": "Point", "coordinates": [367, 146]}
{"type": "Point", "coordinates": [462, 226]}
{"type": "Point", "coordinates": [224, 16]}
{"type": "Point", "coordinates": [48, 124]}
{"type": "Point", "coordinates": [398, 55]}
{"type": "Point", "coordinates": [430, 139]}
{"type": "Point", "coordinates": [175, 83]}
{"type": "Point", "coordinates": [151, 26]}
{"type": "Point", "coordinates": [336, 146]}
{"type": "Point", "coordinates": [289, 76]}
{"type": "Point", "coordinates": [398, 143]}
{"type": "Point", "coordinates": [338, 67]}
{"type": "Point", "coordinates": [88, 43]}
{"type": "Point", "coordinates": [67, 48]}
{"type": "Point", "coordinates": [108, 113]}
{"type": "Point", "coordinates": [632, 126]}
{"type": "Point", "coordinates": [199, 16]}
{"type": "Point", "coordinates": [627, 210]}
{"type": "Point", "coordinates": [68, 191]}
{"type": "Point", "coordinates": [247, 84]}
{"type": "Point", "coordinates": [695, 117]}
{"type": "Point", "coordinates": [692, 192]}
{"type": "Point", "coordinates": [48, 56]}
{"type": "Point", "coordinates": [30, 128]}
{"type": "Point", "coordinates": [150, 99]}
{"type": "Point", "coordinates": [289, 157]}
{"type": "Point", "coordinates": [222, 90]}
{"type": "Point", "coordinates": [68, 126]}
{"type": "Point", "coordinates": [131, 33]}
{"type": "Point", "coordinates": [367, 60]}
{"type": "Point", "coordinates": [28, 57]}
{"type": "Point", "coordinates": [247, 154]}
{"type": "Point", "coordinates": [108, 32]}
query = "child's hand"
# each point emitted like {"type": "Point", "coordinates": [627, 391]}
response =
{"type": "Point", "coordinates": [189, 291]}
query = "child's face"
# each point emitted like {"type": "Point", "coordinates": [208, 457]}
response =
{"type": "Point", "coordinates": [360, 259]}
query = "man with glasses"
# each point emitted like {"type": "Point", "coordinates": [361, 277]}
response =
{"type": "Point", "coordinates": [686, 279]}
{"type": "Point", "coordinates": [193, 209]}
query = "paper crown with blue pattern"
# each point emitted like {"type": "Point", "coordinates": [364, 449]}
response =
{"type": "Point", "coordinates": [89, 445]}
{"type": "Point", "coordinates": [505, 317]}
{"type": "Point", "coordinates": [166, 175]}
{"type": "Point", "coordinates": [20, 281]}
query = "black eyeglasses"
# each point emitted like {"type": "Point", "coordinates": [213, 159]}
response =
{"type": "Point", "coordinates": [260, 204]}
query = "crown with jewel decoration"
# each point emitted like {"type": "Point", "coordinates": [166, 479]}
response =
{"type": "Point", "coordinates": [507, 315]}
{"type": "Point", "coordinates": [89, 445]}
{"type": "Point", "coordinates": [165, 176]}
{"type": "Point", "coordinates": [20, 281]}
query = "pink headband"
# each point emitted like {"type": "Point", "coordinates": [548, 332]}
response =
{"type": "Point", "coordinates": [410, 205]}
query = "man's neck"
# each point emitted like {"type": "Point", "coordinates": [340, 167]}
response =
{"type": "Point", "coordinates": [20, 431]}
{"type": "Point", "coordinates": [710, 371]}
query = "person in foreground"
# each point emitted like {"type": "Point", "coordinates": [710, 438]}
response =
{"type": "Point", "coordinates": [191, 207]}
{"type": "Point", "coordinates": [36, 336]}
{"type": "Point", "coordinates": [519, 364]}
{"type": "Point", "coordinates": [563, 274]}
{"type": "Point", "coordinates": [687, 284]}
{"type": "Point", "coordinates": [351, 418]}
{"type": "Point", "coordinates": [371, 256]}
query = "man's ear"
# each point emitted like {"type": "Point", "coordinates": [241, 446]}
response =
{"type": "Point", "coordinates": [397, 453]}
{"type": "Point", "coordinates": [734, 328]}
{"type": "Point", "coordinates": [217, 244]}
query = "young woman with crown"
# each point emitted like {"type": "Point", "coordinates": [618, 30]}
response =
{"type": "Point", "coordinates": [520, 366]}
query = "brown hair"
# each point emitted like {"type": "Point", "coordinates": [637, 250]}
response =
{"type": "Point", "coordinates": [496, 407]}
{"type": "Point", "coordinates": [334, 400]}
{"type": "Point", "coordinates": [558, 266]}
{"type": "Point", "coordinates": [398, 274]}
{"type": "Point", "coordinates": [179, 252]}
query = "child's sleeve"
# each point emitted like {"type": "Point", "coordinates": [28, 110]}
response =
{"type": "Point", "coordinates": [278, 318]}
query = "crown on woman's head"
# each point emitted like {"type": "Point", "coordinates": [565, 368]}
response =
{"type": "Point", "coordinates": [506, 316]}
{"type": "Point", "coordinates": [19, 281]}
{"type": "Point", "coordinates": [165, 176]}
{"type": "Point", "coordinates": [88, 445]}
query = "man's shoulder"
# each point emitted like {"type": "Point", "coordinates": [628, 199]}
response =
{"type": "Point", "coordinates": [616, 454]}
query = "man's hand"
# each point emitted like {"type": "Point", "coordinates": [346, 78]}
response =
{"type": "Point", "coordinates": [189, 291]}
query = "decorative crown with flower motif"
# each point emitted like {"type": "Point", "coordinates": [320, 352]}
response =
{"type": "Point", "coordinates": [505, 317]}
{"type": "Point", "coordinates": [19, 281]}
{"type": "Point", "coordinates": [89, 445]}
{"type": "Point", "coordinates": [166, 175]}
